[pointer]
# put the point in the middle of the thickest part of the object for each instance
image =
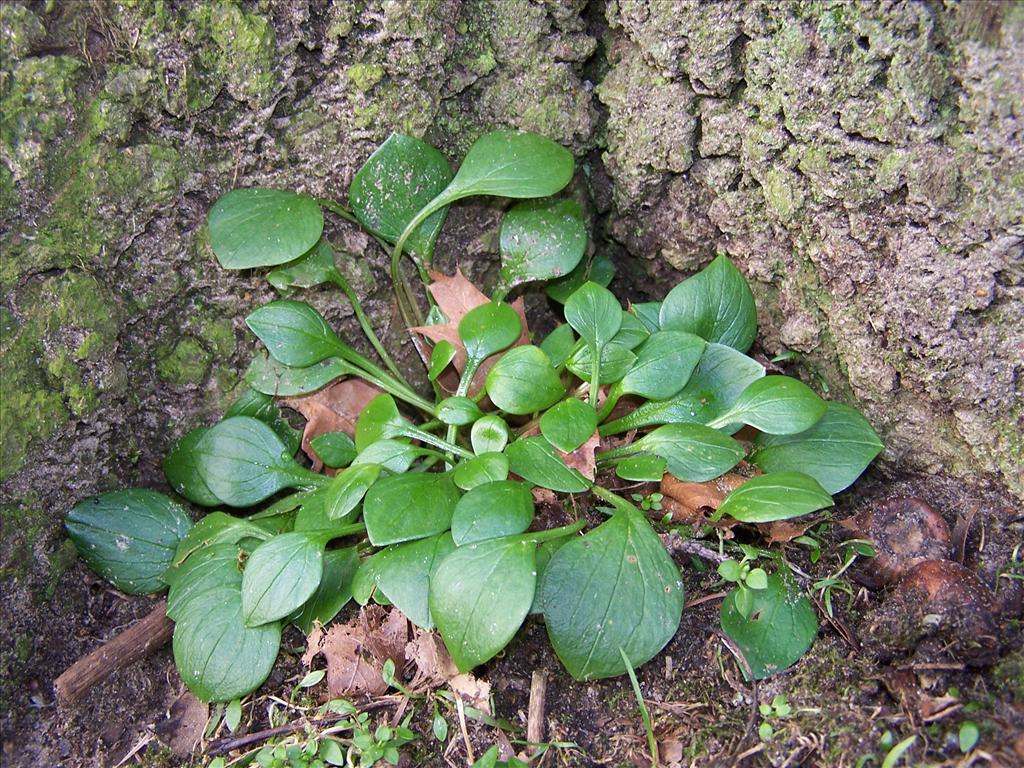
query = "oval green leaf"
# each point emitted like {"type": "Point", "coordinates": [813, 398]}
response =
{"type": "Point", "coordinates": [263, 227]}
{"type": "Point", "coordinates": [663, 365]}
{"type": "Point", "coordinates": [489, 434]}
{"type": "Point", "coordinates": [835, 451]}
{"type": "Point", "coordinates": [523, 381]}
{"type": "Point", "coordinates": [642, 469]}
{"type": "Point", "coordinates": [559, 344]}
{"type": "Point", "coordinates": [715, 304]}
{"type": "Point", "coordinates": [569, 424]}
{"type": "Point", "coordinates": [335, 449]}
{"type": "Point", "coordinates": [488, 329]}
{"type": "Point", "coordinates": [410, 506]}
{"type": "Point", "coordinates": [334, 590]}
{"type": "Point", "coordinates": [540, 240]}
{"type": "Point", "coordinates": [775, 496]}
{"type": "Point", "coordinates": [217, 656]}
{"type": "Point", "coordinates": [480, 595]}
{"type": "Point", "coordinates": [394, 184]}
{"type": "Point", "coordinates": [379, 420]}
{"type": "Point", "coordinates": [267, 375]}
{"type": "Point", "coordinates": [485, 468]}
{"type": "Point", "coordinates": [128, 537]}
{"type": "Point", "coordinates": [492, 510]}
{"type": "Point", "coordinates": [403, 572]}
{"type": "Point", "coordinates": [614, 588]}
{"type": "Point", "coordinates": [694, 452]}
{"type": "Point", "coordinates": [534, 459]}
{"type": "Point", "coordinates": [594, 313]}
{"type": "Point", "coordinates": [616, 361]}
{"type": "Point", "coordinates": [458, 411]}
{"type": "Point", "coordinates": [294, 333]}
{"type": "Point", "coordinates": [280, 575]}
{"type": "Point", "coordinates": [243, 461]}
{"type": "Point", "coordinates": [182, 473]}
{"type": "Point", "coordinates": [776, 405]}
{"type": "Point", "coordinates": [263, 407]}
{"type": "Point", "coordinates": [511, 164]}
{"type": "Point", "coordinates": [780, 628]}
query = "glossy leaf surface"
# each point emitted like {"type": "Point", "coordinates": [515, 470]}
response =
{"type": "Point", "coordinates": [280, 575]}
{"type": "Point", "coordinates": [540, 240]}
{"type": "Point", "coordinates": [512, 164]}
{"type": "Point", "coordinates": [267, 375]}
{"type": "Point", "coordinates": [776, 405]}
{"type": "Point", "coordinates": [835, 451]}
{"type": "Point", "coordinates": [348, 488]}
{"type": "Point", "coordinates": [410, 506]}
{"type": "Point", "coordinates": [664, 364]}
{"type": "Point", "coordinates": [459, 411]}
{"type": "Point", "coordinates": [644, 469]}
{"type": "Point", "coordinates": [480, 595]}
{"type": "Point", "coordinates": [488, 329]}
{"type": "Point", "coordinates": [522, 381]}
{"type": "Point", "coordinates": [489, 434]}
{"type": "Point", "coordinates": [613, 588]}
{"type": "Point", "coordinates": [715, 304]}
{"type": "Point", "coordinates": [534, 459]}
{"type": "Point", "coordinates": [693, 452]}
{"type": "Point", "coordinates": [293, 332]}
{"type": "Point", "coordinates": [217, 656]}
{"type": "Point", "coordinates": [485, 468]}
{"type": "Point", "coordinates": [616, 361]}
{"type": "Point", "coordinates": [394, 184]}
{"type": "Point", "coordinates": [492, 510]}
{"type": "Point", "coordinates": [202, 579]}
{"type": "Point", "coordinates": [775, 496]}
{"type": "Point", "coordinates": [243, 461]}
{"type": "Point", "coordinates": [335, 449]}
{"type": "Point", "coordinates": [263, 227]}
{"type": "Point", "coordinates": [559, 344]}
{"type": "Point", "coordinates": [594, 313]}
{"type": "Point", "coordinates": [402, 572]}
{"type": "Point", "coordinates": [182, 473]}
{"type": "Point", "coordinates": [780, 628]}
{"type": "Point", "coordinates": [569, 424]}
{"type": "Point", "coordinates": [128, 537]}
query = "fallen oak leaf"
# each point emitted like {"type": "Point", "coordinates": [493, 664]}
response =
{"type": "Point", "coordinates": [455, 296]}
{"type": "Point", "coordinates": [335, 408]}
{"type": "Point", "coordinates": [583, 458]}
{"type": "Point", "coordinates": [691, 498]}
{"type": "Point", "coordinates": [356, 651]}
{"type": "Point", "coordinates": [783, 531]}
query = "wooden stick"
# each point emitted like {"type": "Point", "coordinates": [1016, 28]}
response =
{"type": "Point", "coordinates": [535, 713]}
{"type": "Point", "coordinates": [138, 641]}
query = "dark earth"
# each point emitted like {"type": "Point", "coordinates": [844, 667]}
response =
{"type": "Point", "coordinates": [860, 162]}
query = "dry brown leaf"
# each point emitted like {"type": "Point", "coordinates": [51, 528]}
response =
{"type": "Point", "coordinates": [691, 498]}
{"type": "Point", "coordinates": [782, 531]}
{"type": "Point", "coordinates": [387, 633]}
{"type": "Point", "coordinates": [473, 692]}
{"type": "Point", "coordinates": [455, 296]}
{"type": "Point", "coordinates": [356, 651]}
{"type": "Point", "coordinates": [582, 459]}
{"type": "Point", "coordinates": [434, 666]}
{"type": "Point", "coordinates": [184, 726]}
{"type": "Point", "coordinates": [335, 408]}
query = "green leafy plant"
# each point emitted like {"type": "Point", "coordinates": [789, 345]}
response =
{"type": "Point", "coordinates": [429, 505]}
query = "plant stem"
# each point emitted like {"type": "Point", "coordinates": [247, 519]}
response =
{"type": "Point", "coordinates": [437, 442]}
{"type": "Point", "coordinates": [645, 715]}
{"type": "Point", "coordinates": [595, 371]}
{"type": "Point", "coordinates": [339, 280]}
{"type": "Point", "coordinates": [556, 533]}
{"type": "Point", "coordinates": [609, 403]}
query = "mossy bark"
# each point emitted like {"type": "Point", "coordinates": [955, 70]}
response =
{"type": "Point", "coordinates": [862, 164]}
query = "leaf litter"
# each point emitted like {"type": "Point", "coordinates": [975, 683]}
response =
{"type": "Point", "coordinates": [334, 408]}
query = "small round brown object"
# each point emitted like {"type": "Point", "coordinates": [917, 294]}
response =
{"type": "Point", "coordinates": [904, 532]}
{"type": "Point", "coordinates": [947, 602]}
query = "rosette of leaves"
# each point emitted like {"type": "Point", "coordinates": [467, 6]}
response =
{"type": "Point", "coordinates": [429, 504]}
